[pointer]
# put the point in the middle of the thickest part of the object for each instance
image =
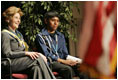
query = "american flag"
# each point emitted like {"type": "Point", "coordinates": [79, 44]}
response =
{"type": "Point", "coordinates": [98, 38]}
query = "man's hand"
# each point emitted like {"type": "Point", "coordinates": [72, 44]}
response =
{"type": "Point", "coordinates": [68, 62]}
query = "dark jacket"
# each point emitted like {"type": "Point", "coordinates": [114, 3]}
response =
{"type": "Point", "coordinates": [61, 50]}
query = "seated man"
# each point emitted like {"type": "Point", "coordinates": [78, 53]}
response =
{"type": "Point", "coordinates": [52, 44]}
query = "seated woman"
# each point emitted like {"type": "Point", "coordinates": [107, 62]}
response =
{"type": "Point", "coordinates": [14, 47]}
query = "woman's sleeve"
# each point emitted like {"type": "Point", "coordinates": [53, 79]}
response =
{"type": "Point", "coordinates": [6, 48]}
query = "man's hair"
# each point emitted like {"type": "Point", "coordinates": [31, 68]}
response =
{"type": "Point", "coordinates": [51, 14]}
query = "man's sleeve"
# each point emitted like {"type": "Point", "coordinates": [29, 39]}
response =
{"type": "Point", "coordinates": [64, 48]}
{"type": "Point", "coordinates": [40, 43]}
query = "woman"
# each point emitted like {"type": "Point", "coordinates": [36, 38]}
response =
{"type": "Point", "coordinates": [14, 47]}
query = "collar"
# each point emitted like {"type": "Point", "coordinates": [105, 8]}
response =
{"type": "Point", "coordinates": [45, 32]}
{"type": "Point", "coordinates": [17, 33]}
{"type": "Point", "coordinates": [12, 31]}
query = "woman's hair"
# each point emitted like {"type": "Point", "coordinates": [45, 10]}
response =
{"type": "Point", "coordinates": [9, 13]}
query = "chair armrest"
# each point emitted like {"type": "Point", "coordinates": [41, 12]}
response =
{"type": "Point", "coordinates": [6, 63]}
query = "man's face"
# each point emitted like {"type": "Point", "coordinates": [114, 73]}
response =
{"type": "Point", "coordinates": [53, 23]}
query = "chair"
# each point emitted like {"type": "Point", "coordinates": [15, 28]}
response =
{"type": "Point", "coordinates": [6, 72]}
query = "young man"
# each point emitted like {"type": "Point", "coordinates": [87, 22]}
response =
{"type": "Point", "coordinates": [52, 44]}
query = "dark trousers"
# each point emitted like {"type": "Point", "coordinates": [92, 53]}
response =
{"type": "Point", "coordinates": [65, 71]}
{"type": "Point", "coordinates": [36, 69]}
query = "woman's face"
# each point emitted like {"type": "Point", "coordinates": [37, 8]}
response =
{"type": "Point", "coordinates": [15, 21]}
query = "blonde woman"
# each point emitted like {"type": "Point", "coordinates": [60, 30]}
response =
{"type": "Point", "coordinates": [14, 47]}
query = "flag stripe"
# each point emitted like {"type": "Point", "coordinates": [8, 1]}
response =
{"type": "Point", "coordinates": [95, 48]}
{"type": "Point", "coordinates": [112, 46]}
{"type": "Point", "coordinates": [87, 28]}
{"type": "Point", "coordinates": [108, 32]}
{"type": "Point", "coordinates": [110, 7]}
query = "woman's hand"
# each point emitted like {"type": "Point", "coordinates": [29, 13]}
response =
{"type": "Point", "coordinates": [35, 55]}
